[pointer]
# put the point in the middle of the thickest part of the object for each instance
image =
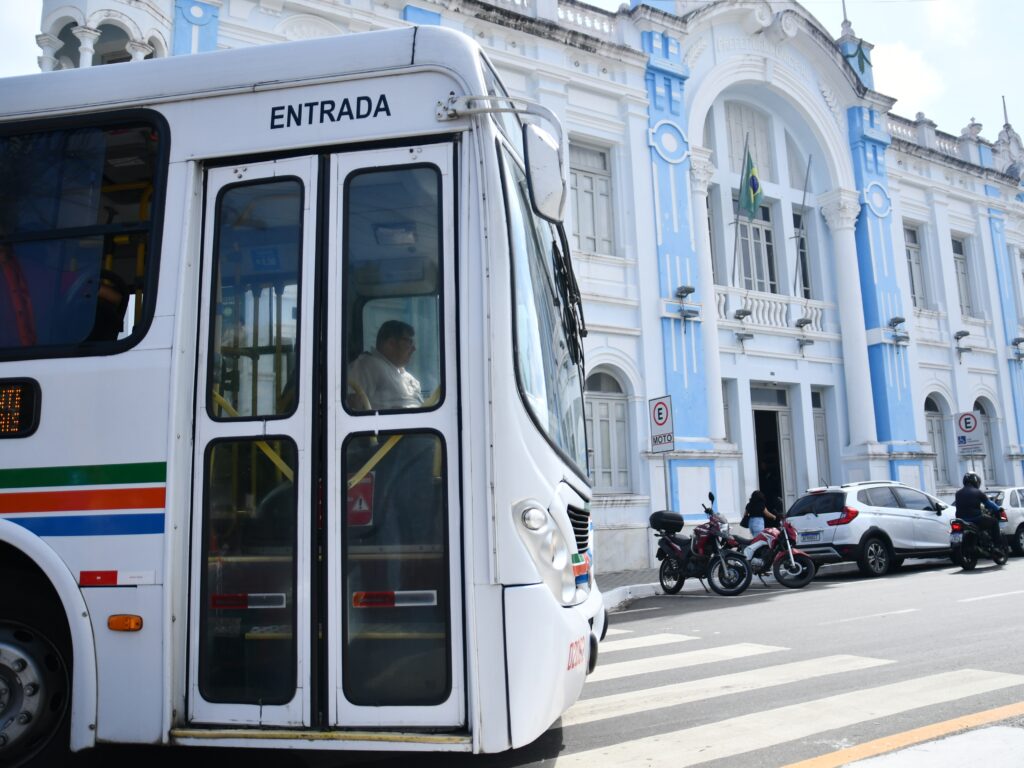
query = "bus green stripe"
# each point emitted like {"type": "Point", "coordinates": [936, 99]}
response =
{"type": "Point", "coordinates": [94, 474]}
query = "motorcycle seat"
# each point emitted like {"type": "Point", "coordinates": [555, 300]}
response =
{"type": "Point", "coordinates": [743, 541]}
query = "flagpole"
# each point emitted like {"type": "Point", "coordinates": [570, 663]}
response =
{"type": "Point", "coordinates": [736, 220]}
{"type": "Point", "coordinates": [803, 219]}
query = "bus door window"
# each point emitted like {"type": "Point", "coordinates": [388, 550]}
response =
{"type": "Point", "coordinates": [75, 235]}
{"type": "Point", "coordinates": [253, 330]}
{"type": "Point", "coordinates": [247, 648]}
{"type": "Point", "coordinates": [392, 284]}
{"type": "Point", "coordinates": [396, 632]}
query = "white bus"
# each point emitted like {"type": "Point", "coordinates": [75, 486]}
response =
{"type": "Point", "coordinates": [291, 426]}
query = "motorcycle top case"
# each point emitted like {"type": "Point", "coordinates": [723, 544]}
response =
{"type": "Point", "coordinates": [670, 522]}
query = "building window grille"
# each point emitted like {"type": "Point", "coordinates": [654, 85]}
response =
{"type": "Point", "coordinates": [963, 277]}
{"type": "Point", "coordinates": [757, 269]}
{"type": "Point", "coordinates": [607, 420]}
{"type": "Point", "coordinates": [590, 179]}
{"type": "Point", "coordinates": [936, 425]}
{"type": "Point", "coordinates": [915, 265]}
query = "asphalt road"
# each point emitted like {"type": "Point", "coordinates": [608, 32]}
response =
{"type": "Point", "coordinates": [762, 680]}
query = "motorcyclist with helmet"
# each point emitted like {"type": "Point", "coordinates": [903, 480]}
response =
{"type": "Point", "coordinates": [969, 502]}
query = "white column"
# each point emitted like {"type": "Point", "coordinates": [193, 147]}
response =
{"type": "Point", "coordinates": [50, 46]}
{"type": "Point", "coordinates": [840, 209]}
{"type": "Point", "coordinates": [701, 172]}
{"type": "Point", "coordinates": [138, 50]}
{"type": "Point", "coordinates": [87, 37]}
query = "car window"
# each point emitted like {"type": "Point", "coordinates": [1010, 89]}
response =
{"type": "Point", "coordinates": [816, 504]}
{"type": "Point", "coordinates": [997, 497]}
{"type": "Point", "coordinates": [878, 497]}
{"type": "Point", "coordinates": [912, 499]}
{"type": "Point", "coordinates": [1013, 499]}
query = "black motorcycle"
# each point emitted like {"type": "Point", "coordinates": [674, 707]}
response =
{"type": "Point", "coordinates": [968, 542]}
{"type": "Point", "coordinates": [707, 554]}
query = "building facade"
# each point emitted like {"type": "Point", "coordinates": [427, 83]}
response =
{"type": "Point", "coordinates": [839, 331]}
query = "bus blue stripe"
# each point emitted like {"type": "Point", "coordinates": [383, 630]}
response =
{"type": "Point", "coordinates": [92, 525]}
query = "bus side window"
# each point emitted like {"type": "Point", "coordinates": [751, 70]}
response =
{"type": "Point", "coordinates": [76, 237]}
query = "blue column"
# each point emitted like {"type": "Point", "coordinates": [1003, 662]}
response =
{"type": "Point", "coordinates": [880, 291]}
{"type": "Point", "coordinates": [1005, 278]}
{"type": "Point", "coordinates": [677, 260]}
{"type": "Point", "coordinates": [195, 27]}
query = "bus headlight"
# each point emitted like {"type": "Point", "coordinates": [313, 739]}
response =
{"type": "Point", "coordinates": [549, 550]}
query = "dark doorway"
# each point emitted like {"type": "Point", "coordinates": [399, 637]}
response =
{"type": "Point", "coordinates": [769, 462]}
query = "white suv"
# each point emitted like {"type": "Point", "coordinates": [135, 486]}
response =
{"type": "Point", "coordinates": [875, 524]}
{"type": "Point", "coordinates": [1012, 501]}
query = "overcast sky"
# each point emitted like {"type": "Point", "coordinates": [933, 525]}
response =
{"type": "Point", "coordinates": [951, 59]}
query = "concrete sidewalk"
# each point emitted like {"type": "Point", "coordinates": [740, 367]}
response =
{"type": "Point", "coordinates": [622, 587]}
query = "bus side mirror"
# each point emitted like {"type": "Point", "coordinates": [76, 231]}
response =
{"type": "Point", "coordinates": [544, 173]}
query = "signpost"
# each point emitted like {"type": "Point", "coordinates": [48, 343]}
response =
{"type": "Point", "coordinates": [662, 435]}
{"type": "Point", "coordinates": [969, 439]}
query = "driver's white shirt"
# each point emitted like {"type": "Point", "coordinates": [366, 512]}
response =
{"type": "Point", "coordinates": [386, 385]}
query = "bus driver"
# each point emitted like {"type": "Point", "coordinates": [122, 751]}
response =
{"type": "Point", "coordinates": [378, 379]}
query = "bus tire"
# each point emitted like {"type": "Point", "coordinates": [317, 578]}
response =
{"type": "Point", "coordinates": [35, 673]}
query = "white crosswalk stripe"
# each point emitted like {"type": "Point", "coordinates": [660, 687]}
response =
{"type": "Point", "coordinates": [678, 661]}
{"type": "Point", "coordinates": [631, 702]}
{"type": "Point", "coordinates": [612, 631]}
{"type": "Point", "coordinates": [746, 733]}
{"type": "Point", "coordinates": [643, 641]}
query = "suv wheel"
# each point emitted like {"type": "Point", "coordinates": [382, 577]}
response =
{"type": "Point", "coordinates": [875, 558]}
{"type": "Point", "coordinates": [1017, 542]}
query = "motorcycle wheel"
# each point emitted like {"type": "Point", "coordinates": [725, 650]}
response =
{"type": "Point", "coordinates": [966, 555]}
{"type": "Point", "coordinates": [794, 576]}
{"type": "Point", "coordinates": [999, 557]}
{"type": "Point", "coordinates": [671, 575]}
{"type": "Point", "coordinates": [729, 574]}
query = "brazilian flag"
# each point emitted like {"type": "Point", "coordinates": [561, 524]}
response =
{"type": "Point", "coordinates": [750, 188]}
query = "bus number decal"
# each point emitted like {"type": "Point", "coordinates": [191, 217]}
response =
{"type": "Point", "coordinates": [327, 111]}
{"type": "Point", "coordinates": [576, 652]}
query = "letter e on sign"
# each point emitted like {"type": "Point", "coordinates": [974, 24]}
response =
{"type": "Point", "coordinates": [662, 435]}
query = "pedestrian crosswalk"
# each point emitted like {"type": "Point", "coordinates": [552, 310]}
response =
{"type": "Point", "coordinates": [747, 733]}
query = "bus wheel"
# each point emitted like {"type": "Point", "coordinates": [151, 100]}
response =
{"type": "Point", "coordinates": [34, 697]}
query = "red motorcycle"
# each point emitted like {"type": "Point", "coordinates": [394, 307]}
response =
{"type": "Point", "coordinates": [707, 554]}
{"type": "Point", "coordinates": [774, 550]}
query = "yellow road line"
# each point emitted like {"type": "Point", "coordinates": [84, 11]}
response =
{"type": "Point", "coordinates": [909, 738]}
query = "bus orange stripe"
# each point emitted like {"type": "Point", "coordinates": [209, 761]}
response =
{"type": "Point", "coordinates": [65, 501]}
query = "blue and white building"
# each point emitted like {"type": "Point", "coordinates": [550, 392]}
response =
{"type": "Point", "coordinates": [876, 295]}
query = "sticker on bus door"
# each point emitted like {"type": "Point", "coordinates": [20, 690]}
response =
{"type": "Point", "coordinates": [360, 502]}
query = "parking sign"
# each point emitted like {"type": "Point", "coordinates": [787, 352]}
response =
{"type": "Point", "coordinates": [662, 436]}
{"type": "Point", "coordinates": [968, 434]}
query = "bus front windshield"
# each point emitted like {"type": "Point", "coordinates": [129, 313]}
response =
{"type": "Point", "coordinates": [546, 345]}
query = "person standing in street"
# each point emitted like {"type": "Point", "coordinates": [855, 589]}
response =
{"type": "Point", "coordinates": [757, 513]}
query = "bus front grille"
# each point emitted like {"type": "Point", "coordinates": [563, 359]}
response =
{"type": "Point", "coordinates": [580, 527]}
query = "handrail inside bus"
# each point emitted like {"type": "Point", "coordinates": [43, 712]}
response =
{"type": "Point", "coordinates": [270, 453]}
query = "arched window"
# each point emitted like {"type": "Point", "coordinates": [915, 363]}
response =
{"type": "Point", "coordinates": [988, 462]}
{"type": "Point", "coordinates": [935, 424]}
{"type": "Point", "coordinates": [607, 420]}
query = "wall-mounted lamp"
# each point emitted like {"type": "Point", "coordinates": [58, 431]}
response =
{"type": "Point", "coordinates": [961, 348]}
{"type": "Point", "coordinates": [1015, 343]}
{"type": "Point", "coordinates": [684, 290]}
{"type": "Point", "coordinates": [689, 313]}
{"type": "Point", "coordinates": [802, 342]}
{"type": "Point", "coordinates": [895, 321]}
{"type": "Point", "coordinates": [743, 336]}
{"type": "Point", "coordinates": [803, 322]}
{"type": "Point", "coordinates": [741, 314]}
{"type": "Point", "coordinates": [900, 338]}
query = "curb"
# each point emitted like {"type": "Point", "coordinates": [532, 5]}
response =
{"type": "Point", "coordinates": [618, 599]}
